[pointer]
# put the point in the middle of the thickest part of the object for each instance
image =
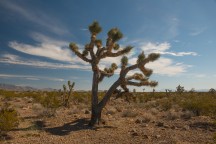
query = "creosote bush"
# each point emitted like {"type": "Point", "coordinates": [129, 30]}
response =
{"type": "Point", "coordinates": [129, 113]}
{"type": "Point", "coordinates": [8, 119]}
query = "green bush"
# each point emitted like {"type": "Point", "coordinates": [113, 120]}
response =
{"type": "Point", "coordinates": [129, 113]}
{"type": "Point", "coordinates": [8, 119]}
{"type": "Point", "coordinates": [203, 104]}
{"type": "Point", "coordinates": [214, 137]}
{"type": "Point", "coordinates": [50, 100]}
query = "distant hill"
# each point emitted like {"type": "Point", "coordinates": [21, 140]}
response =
{"type": "Point", "coordinates": [22, 88]}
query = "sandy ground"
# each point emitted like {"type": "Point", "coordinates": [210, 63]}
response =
{"type": "Point", "coordinates": [124, 123]}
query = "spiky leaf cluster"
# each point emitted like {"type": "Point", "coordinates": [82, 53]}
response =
{"type": "Point", "coordinates": [153, 84]}
{"type": "Point", "coordinates": [115, 34]}
{"type": "Point", "coordinates": [141, 58]}
{"type": "Point", "coordinates": [98, 43]}
{"type": "Point", "coordinates": [124, 61]}
{"type": "Point", "coordinates": [116, 47]}
{"type": "Point", "coordinates": [85, 52]}
{"type": "Point", "coordinates": [111, 69]}
{"type": "Point", "coordinates": [138, 76]}
{"type": "Point", "coordinates": [95, 28]}
{"type": "Point", "coordinates": [127, 49]}
{"type": "Point", "coordinates": [114, 66]}
{"type": "Point", "coordinates": [153, 56]}
{"type": "Point", "coordinates": [73, 47]}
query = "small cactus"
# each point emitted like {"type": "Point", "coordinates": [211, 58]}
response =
{"type": "Point", "coordinates": [67, 93]}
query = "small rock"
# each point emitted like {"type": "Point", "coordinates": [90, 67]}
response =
{"type": "Point", "coordinates": [160, 124]}
{"type": "Point", "coordinates": [138, 121]}
{"type": "Point", "coordinates": [173, 127]}
{"type": "Point", "coordinates": [166, 126]}
{"type": "Point", "coordinates": [186, 127]}
{"type": "Point", "coordinates": [157, 136]}
{"type": "Point", "coordinates": [146, 137]}
{"type": "Point", "coordinates": [144, 125]}
{"type": "Point", "coordinates": [87, 112]}
{"type": "Point", "coordinates": [135, 134]}
{"type": "Point", "coordinates": [133, 130]}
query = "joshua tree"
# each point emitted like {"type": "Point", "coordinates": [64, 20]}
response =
{"type": "Point", "coordinates": [94, 51]}
{"type": "Point", "coordinates": [134, 90]}
{"type": "Point", "coordinates": [180, 89]}
{"type": "Point", "coordinates": [67, 93]}
{"type": "Point", "coordinates": [168, 92]}
{"type": "Point", "coordinates": [212, 91]}
{"type": "Point", "coordinates": [192, 90]}
{"type": "Point", "coordinates": [153, 91]}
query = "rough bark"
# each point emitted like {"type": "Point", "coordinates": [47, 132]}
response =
{"type": "Point", "coordinates": [95, 110]}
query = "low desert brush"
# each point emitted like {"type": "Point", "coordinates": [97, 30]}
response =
{"type": "Point", "coordinates": [8, 119]}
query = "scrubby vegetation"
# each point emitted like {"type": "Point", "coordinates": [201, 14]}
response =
{"type": "Point", "coordinates": [147, 108]}
{"type": "Point", "coordinates": [8, 118]}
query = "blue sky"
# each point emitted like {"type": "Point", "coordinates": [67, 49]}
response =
{"type": "Point", "coordinates": [34, 38]}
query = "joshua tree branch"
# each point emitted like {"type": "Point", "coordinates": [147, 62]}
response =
{"type": "Point", "coordinates": [119, 53]}
{"type": "Point", "coordinates": [104, 74]}
{"type": "Point", "coordinates": [82, 57]}
{"type": "Point", "coordinates": [142, 83]}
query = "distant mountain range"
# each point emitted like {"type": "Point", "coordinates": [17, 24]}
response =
{"type": "Point", "coordinates": [22, 88]}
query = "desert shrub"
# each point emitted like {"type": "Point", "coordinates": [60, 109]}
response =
{"type": "Point", "coordinates": [50, 100]}
{"type": "Point", "coordinates": [129, 113]}
{"type": "Point", "coordinates": [172, 115]}
{"type": "Point", "coordinates": [165, 104]}
{"type": "Point", "coordinates": [154, 111]}
{"type": "Point", "coordinates": [214, 137]}
{"type": "Point", "coordinates": [203, 104]}
{"type": "Point", "coordinates": [147, 117]}
{"type": "Point", "coordinates": [8, 119]}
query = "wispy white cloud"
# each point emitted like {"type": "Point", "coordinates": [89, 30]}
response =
{"type": "Point", "coordinates": [56, 50]}
{"type": "Point", "coordinates": [200, 75]}
{"type": "Point", "coordinates": [37, 17]}
{"type": "Point", "coordinates": [162, 48]}
{"type": "Point", "coordinates": [30, 77]}
{"type": "Point", "coordinates": [173, 24]}
{"type": "Point", "coordinates": [197, 31]}
{"type": "Point", "coordinates": [14, 59]}
{"type": "Point", "coordinates": [164, 66]}
{"type": "Point", "coordinates": [46, 47]}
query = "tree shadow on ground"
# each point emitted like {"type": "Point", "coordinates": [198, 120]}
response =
{"type": "Point", "coordinates": [4, 136]}
{"type": "Point", "coordinates": [204, 125]}
{"type": "Point", "coordinates": [80, 124]}
{"type": "Point", "coordinates": [37, 125]}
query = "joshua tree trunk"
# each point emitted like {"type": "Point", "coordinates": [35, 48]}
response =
{"type": "Point", "coordinates": [95, 116]}
{"type": "Point", "coordinates": [95, 109]}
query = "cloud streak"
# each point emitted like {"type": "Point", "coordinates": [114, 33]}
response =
{"type": "Point", "coordinates": [30, 77]}
{"type": "Point", "coordinates": [14, 59]}
{"type": "Point", "coordinates": [162, 48]}
{"type": "Point", "coordinates": [197, 31]}
{"type": "Point", "coordinates": [45, 47]}
{"type": "Point", "coordinates": [36, 17]}
{"type": "Point", "coordinates": [56, 50]}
